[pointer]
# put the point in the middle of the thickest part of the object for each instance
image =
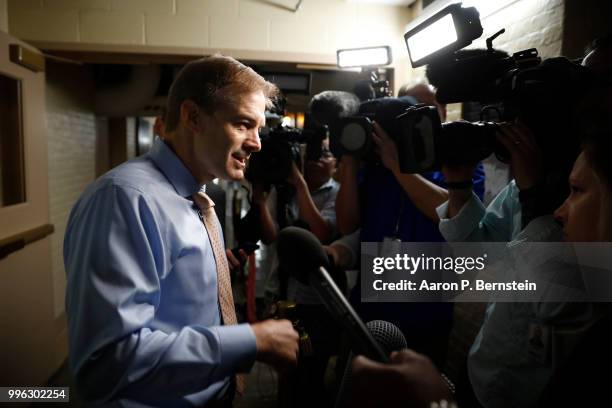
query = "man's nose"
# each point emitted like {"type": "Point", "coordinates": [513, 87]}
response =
{"type": "Point", "coordinates": [253, 143]}
{"type": "Point", "coordinates": [560, 213]}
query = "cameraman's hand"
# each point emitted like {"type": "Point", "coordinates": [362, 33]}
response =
{"type": "Point", "coordinates": [525, 155]}
{"type": "Point", "coordinates": [340, 255]}
{"type": "Point", "coordinates": [348, 168]}
{"type": "Point", "coordinates": [386, 149]}
{"type": "Point", "coordinates": [458, 197]}
{"type": "Point", "coordinates": [410, 380]}
{"type": "Point", "coordinates": [277, 344]}
{"type": "Point", "coordinates": [233, 262]}
{"type": "Point", "coordinates": [295, 176]}
{"type": "Point", "coordinates": [259, 193]}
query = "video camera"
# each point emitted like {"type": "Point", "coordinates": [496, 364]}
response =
{"type": "Point", "coordinates": [353, 135]}
{"type": "Point", "coordinates": [280, 147]}
{"type": "Point", "coordinates": [351, 126]}
{"type": "Point", "coordinates": [541, 94]}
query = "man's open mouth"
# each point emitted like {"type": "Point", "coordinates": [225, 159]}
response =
{"type": "Point", "coordinates": [241, 159]}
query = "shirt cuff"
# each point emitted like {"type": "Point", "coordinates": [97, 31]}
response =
{"type": "Point", "coordinates": [459, 227]}
{"type": "Point", "coordinates": [238, 346]}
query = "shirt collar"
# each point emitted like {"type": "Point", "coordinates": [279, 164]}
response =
{"type": "Point", "coordinates": [173, 168]}
{"type": "Point", "coordinates": [328, 184]}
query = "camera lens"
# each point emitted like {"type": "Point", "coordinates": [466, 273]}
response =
{"type": "Point", "coordinates": [354, 137]}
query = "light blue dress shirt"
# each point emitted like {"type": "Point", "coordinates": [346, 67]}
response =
{"type": "Point", "coordinates": [499, 222]}
{"type": "Point", "coordinates": [142, 304]}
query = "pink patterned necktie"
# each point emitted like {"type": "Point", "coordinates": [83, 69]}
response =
{"type": "Point", "coordinates": [224, 283]}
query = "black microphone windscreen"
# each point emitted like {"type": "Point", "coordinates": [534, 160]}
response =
{"type": "Point", "coordinates": [388, 335]}
{"type": "Point", "coordinates": [328, 107]}
{"type": "Point", "coordinates": [467, 74]}
{"type": "Point", "coordinates": [300, 253]}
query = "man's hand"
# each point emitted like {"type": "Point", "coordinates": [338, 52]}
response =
{"type": "Point", "coordinates": [351, 163]}
{"type": "Point", "coordinates": [339, 254]}
{"type": "Point", "coordinates": [295, 176]}
{"type": "Point", "coordinates": [525, 155]}
{"type": "Point", "coordinates": [277, 344]}
{"type": "Point", "coordinates": [259, 193]}
{"type": "Point", "coordinates": [385, 148]}
{"type": "Point", "coordinates": [410, 380]}
{"type": "Point", "coordinates": [347, 201]}
{"type": "Point", "coordinates": [233, 262]}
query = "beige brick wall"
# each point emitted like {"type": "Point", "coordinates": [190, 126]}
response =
{"type": "Point", "coordinates": [71, 137]}
{"type": "Point", "coordinates": [34, 23]}
{"type": "Point", "coordinates": [111, 27]}
{"type": "Point", "coordinates": [319, 27]}
{"type": "Point", "coordinates": [3, 16]}
{"type": "Point", "coordinates": [528, 23]}
{"type": "Point", "coordinates": [130, 138]}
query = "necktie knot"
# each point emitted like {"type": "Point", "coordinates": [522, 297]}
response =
{"type": "Point", "coordinates": [203, 202]}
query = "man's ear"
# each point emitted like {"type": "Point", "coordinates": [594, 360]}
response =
{"type": "Point", "coordinates": [190, 116]}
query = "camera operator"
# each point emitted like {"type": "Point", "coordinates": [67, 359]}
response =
{"type": "Point", "coordinates": [311, 205]}
{"type": "Point", "coordinates": [390, 207]}
{"type": "Point", "coordinates": [425, 94]}
{"type": "Point", "coordinates": [570, 379]}
{"type": "Point", "coordinates": [315, 194]}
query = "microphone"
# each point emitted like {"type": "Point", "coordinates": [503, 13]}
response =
{"type": "Point", "coordinates": [390, 338]}
{"type": "Point", "coordinates": [468, 75]}
{"type": "Point", "coordinates": [301, 253]}
{"type": "Point", "coordinates": [388, 335]}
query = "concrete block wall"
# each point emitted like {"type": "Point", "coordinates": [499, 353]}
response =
{"type": "Point", "coordinates": [3, 16]}
{"type": "Point", "coordinates": [318, 27]}
{"type": "Point", "coordinates": [71, 144]}
{"type": "Point", "coordinates": [130, 138]}
{"type": "Point", "coordinates": [528, 23]}
{"type": "Point", "coordinates": [71, 138]}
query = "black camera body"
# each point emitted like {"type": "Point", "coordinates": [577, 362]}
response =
{"type": "Point", "coordinates": [280, 147]}
{"type": "Point", "coordinates": [426, 144]}
{"type": "Point", "coordinates": [353, 134]}
{"type": "Point", "coordinates": [542, 95]}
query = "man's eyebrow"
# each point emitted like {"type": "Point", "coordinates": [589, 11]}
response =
{"type": "Point", "coordinates": [254, 118]}
{"type": "Point", "coordinates": [243, 116]}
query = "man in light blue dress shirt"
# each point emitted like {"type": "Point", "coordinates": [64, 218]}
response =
{"type": "Point", "coordinates": [145, 325]}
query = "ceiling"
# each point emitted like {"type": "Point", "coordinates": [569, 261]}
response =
{"type": "Point", "coordinates": [385, 2]}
